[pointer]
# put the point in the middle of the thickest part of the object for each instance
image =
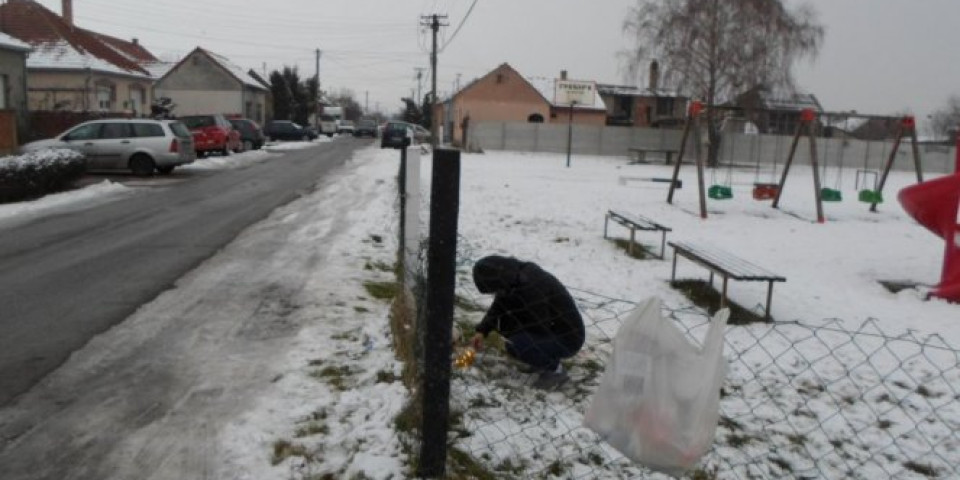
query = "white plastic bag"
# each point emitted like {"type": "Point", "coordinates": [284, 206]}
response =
{"type": "Point", "coordinates": [658, 402]}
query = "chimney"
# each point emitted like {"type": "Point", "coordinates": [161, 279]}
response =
{"type": "Point", "coordinates": [67, 12]}
{"type": "Point", "coordinates": [136, 41]}
{"type": "Point", "coordinates": [563, 74]}
{"type": "Point", "coordinates": [654, 75]}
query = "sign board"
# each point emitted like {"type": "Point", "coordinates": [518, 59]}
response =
{"type": "Point", "coordinates": [574, 91]}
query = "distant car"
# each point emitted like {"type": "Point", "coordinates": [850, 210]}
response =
{"type": "Point", "coordinates": [139, 145]}
{"type": "Point", "coordinates": [328, 125]}
{"type": "Point", "coordinates": [212, 133]}
{"type": "Point", "coordinates": [366, 126]}
{"type": "Point", "coordinates": [421, 134]}
{"type": "Point", "coordinates": [396, 135]}
{"type": "Point", "coordinates": [251, 135]}
{"type": "Point", "coordinates": [287, 130]}
{"type": "Point", "coordinates": [345, 127]}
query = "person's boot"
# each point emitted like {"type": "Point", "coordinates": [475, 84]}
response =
{"type": "Point", "coordinates": [551, 379]}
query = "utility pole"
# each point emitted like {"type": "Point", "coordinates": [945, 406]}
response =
{"type": "Point", "coordinates": [457, 89]}
{"type": "Point", "coordinates": [434, 22]}
{"type": "Point", "coordinates": [316, 107]}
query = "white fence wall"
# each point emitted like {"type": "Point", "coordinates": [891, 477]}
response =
{"type": "Point", "coordinates": [739, 149]}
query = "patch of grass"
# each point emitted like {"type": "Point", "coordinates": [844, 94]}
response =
{"type": "Point", "coordinates": [699, 474]}
{"type": "Point", "coordinates": [382, 290]}
{"type": "Point", "coordinates": [783, 464]}
{"type": "Point", "coordinates": [561, 240]}
{"type": "Point", "coordinates": [640, 251]}
{"type": "Point", "coordinates": [335, 376]}
{"type": "Point", "coordinates": [557, 468]}
{"type": "Point", "coordinates": [379, 265]}
{"type": "Point", "coordinates": [461, 466]}
{"type": "Point", "coordinates": [315, 362]}
{"type": "Point", "coordinates": [884, 424]}
{"type": "Point", "coordinates": [408, 420]}
{"type": "Point", "coordinates": [384, 376]}
{"type": "Point", "coordinates": [507, 466]}
{"type": "Point", "coordinates": [360, 309]}
{"type": "Point", "coordinates": [738, 440]}
{"type": "Point", "coordinates": [284, 449]}
{"type": "Point", "coordinates": [703, 295]}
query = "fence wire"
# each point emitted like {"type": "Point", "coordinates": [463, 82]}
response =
{"type": "Point", "coordinates": [800, 401]}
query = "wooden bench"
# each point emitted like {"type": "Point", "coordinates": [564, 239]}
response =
{"type": "Point", "coordinates": [639, 154]}
{"type": "Point", "coordinates": [634, 223]}
{"type": "Point", "coordinates": [727, 266]}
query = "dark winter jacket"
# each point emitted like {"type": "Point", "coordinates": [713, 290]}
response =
{"type": "Point", "coordinates": [527, 299]}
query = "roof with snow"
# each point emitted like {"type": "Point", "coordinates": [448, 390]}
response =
{"type": "Point", "coordinates": [630, 91]}
{"type": "Point", "coordinates": [59, 45]}
{"type": "Point", "coordinates": [241, 75]}
{"type": "Point", "coordinates": [547, 87]}
{"type": "Point", "coordinates": [10, 43]}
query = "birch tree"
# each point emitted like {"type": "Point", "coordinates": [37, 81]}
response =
{"type": "Point", "coordinates": [712, 50]}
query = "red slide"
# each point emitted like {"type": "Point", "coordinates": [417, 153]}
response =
{"type": "Point", "coordinates": [934, 204]}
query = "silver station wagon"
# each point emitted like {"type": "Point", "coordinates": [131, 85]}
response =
{"type": "Point", "coordinates": [137, 145]}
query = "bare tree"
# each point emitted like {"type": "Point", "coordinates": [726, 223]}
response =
{"type": "Point", "coordinates": [714, 49]}
{"type": "Point", "coordinates": [945, 121]}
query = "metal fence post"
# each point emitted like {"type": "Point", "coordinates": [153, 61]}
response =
{"type": "Point", "coordinates": [441, 283]}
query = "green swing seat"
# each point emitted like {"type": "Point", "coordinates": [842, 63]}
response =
{"type": "Point", "coordinates": [720, 192]}
{"type": "Point", "coordinates": [830, 195]}
{"type": "Point", "coordinates": [871, 196]}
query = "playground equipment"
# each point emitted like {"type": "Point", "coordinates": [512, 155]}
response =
{"type": "Point", "coordinates": [692, 125]}
{"type": "Point", "coordinates": [936, 205]}
{"type": "Point", "coordinates": [807, 116]}
{"type": "Point", "coordinates": [907, 126]}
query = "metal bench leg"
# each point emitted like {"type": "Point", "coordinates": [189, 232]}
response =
{"type": "Point", "coordinates": [606, 220]}
{"type": "Point", "coordinates": [673, 274]}
{"type": "Point", "coordinates": [723, 296]}
{"type": "Point", "coordinates": [633, 234]}
{"type": "Point", "coordinates": [711, 278]}
{"type": "Point", "coordinates": [766, 314]}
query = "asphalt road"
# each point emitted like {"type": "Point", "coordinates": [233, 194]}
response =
{"type": "Point", "coordinates": [66, 278]}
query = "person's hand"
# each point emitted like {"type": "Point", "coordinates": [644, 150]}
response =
{"type": "Point", "coordinates": [477, 341]}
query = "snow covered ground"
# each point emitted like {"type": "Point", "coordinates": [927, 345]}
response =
{"type": "Point", "coordinates": [805, 396]}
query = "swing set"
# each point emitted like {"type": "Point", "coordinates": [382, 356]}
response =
{"type": "Point", "coordinates": [806, 126]}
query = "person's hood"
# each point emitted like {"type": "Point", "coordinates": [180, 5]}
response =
{"type": "Point", "coordinates": [496, 273]}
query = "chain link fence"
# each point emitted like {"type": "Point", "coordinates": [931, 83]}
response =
{"type": "Point", "coordinates": [800, 400]}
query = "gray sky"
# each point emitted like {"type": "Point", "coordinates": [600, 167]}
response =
{"type": "Point", "coordinates": [879, 56]}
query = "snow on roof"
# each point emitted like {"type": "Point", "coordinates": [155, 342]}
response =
{"type": "Point", "coordinates": [6, 41]}
{"type": "Point", "coordinates": [547, 88]}
{"type": "Point", "coordinates": [626, 90]}
{"type": "Point", "coordinates": [159, 69]}
{"type": "Point", "coordinates": [235, 70]}
{"type": "Point", "coordinates": [63, 55]}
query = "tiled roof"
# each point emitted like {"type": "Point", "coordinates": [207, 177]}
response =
{"type": "Point", "coordinates": [54, 39]}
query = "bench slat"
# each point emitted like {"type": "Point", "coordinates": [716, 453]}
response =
{"type": "Point", "coordinates": [737, 268]}
{"type": "Point", "coordinates": [637, 221]}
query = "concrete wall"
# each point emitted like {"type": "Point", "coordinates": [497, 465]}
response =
{"type": "Point", "coordinates": [195, 102]}
{"type": "Point", "coordinates": [738, 149]}
{"type": "Point", "coordinates": [198, 72]}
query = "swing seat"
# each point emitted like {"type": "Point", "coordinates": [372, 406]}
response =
{"type": "Point", "coordinates": [870, 196]}
{"type": "Point", "coordinates": [830, 195]}
{"type": "Point", "coordinates": [720, 192]}
{"type": "Point", "coordinates": [765, 191]}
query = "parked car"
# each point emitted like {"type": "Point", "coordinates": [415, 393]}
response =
{"type": "Point", "coordinates": [421, 134]}
{"type": "Point", "coordinates": [396, 135]}
{"type": "Point", "coordinates": [139, 145]}
{"type": "Point", "coordinates": [345, 127]}
{"type": "Point", "coordinates": [212, 133]}
{"type": "Point", "coordinates": [251, 135]}
{"type": "Point", "coordinates": [287, 130]}
{"type": "Point", "coordinates": [366, 126]}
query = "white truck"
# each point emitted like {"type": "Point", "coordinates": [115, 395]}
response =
{"type": "Point", "coordinates": [330, 118]}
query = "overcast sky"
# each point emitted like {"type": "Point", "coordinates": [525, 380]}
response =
{"type": "Point", "coordinates": [879, 56]}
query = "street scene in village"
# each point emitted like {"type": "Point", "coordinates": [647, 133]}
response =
{"type": "Point", "coordinates": [479, 240]}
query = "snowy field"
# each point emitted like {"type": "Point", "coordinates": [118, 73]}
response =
{"type": "Point", "coordinates": [851, 381]}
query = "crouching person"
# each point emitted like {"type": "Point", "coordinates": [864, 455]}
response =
{"type": "Point", "coordinates": [533, 312]}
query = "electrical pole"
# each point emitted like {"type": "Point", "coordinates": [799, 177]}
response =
{"type": "Point", "coordinates": [434, 22]}
{"type": "Point", "coordinates": [316, 106]}
{"type": "Point", "coordinates": [457, 89]}
{"type": "Point", "coordinates": [366, 102]}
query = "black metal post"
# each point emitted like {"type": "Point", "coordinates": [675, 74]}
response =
{"type": "Point", "coordinates": [441, 282]}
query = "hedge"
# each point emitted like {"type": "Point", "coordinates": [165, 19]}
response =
{"type": "Point", "coordinates": [39, 173]}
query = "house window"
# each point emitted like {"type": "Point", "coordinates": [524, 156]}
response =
{"type": "Point", "coordinates": [535, 118]}
{"type": "Point", "coordinates": [665, 106]}
{"type": "Point", "coordinates": [106, 94]}
{"type": "Point", "coordinates": [248, 112]}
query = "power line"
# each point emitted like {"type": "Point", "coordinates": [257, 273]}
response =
{"type": "Point", "coordinates": [462, 22]}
